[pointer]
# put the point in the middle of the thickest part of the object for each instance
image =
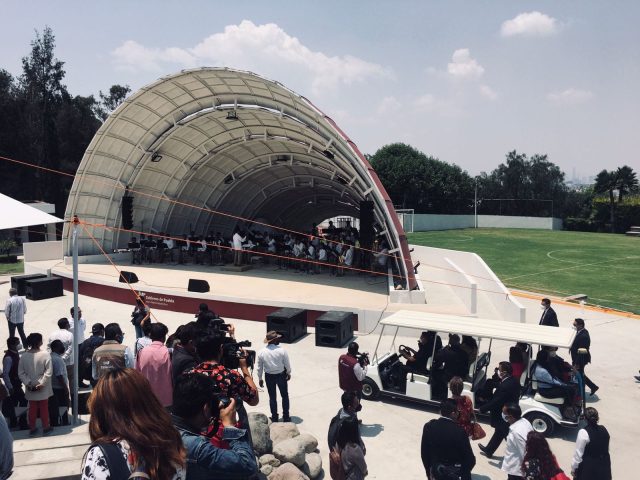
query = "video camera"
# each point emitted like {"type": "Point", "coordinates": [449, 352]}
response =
{"type": "Point", "coordinates": [363, 359]}
{"type": "Point", "coordinates": [232, 352]}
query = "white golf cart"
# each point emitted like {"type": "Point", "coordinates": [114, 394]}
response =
{"type": "Point", "coordinates": [382, 377]}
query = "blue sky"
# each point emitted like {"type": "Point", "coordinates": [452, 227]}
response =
{"type": "Point", "coordinates": [465, 81]}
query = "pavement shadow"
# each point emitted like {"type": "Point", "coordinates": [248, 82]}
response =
{"type": "Point", "coordinates": [371, 430]}
{"type": "Point", "coordinates": [476, 476]}
{"type": "Point", "coordinates": [296, 420]}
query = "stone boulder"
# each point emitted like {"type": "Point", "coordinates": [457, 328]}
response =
{"type": "Point", "coordinates": [255, 417]}
{"type": "Point", "coordinates": [269, 459]}
{"type": "Point", "coordinates": [289, 451]}
{"type": "Point", "coordinates": [283, 431]}
{"type": "Point", "coordinates": [260, 435]}
{"type": "Point", "coordinates": [287, 471]}
{"type": "Point", "coordinates": [308, 442]}
{"type": "Point", "coordinates": [312, 465]}
{"type": "Point", "coordinates": [266, 469]}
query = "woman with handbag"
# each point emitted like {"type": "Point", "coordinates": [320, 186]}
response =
{"type": "Point", "coordinates": [539, 462]}
{"type": "Point", "coordinates": [466, 416]}
{"type": "Point", "coordinates": [351, 452]}
{"type": "Point", "coordinates": [132, 433]}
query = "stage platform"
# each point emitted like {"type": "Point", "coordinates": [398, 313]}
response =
{"type": "Point", "coordinates": [250, 295]}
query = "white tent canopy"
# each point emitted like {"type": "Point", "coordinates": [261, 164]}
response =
{"type": "Point", "coordinates": [16, 214]}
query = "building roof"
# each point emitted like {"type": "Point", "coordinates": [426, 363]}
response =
{"type": "Point", "coordinates": [203, 147]}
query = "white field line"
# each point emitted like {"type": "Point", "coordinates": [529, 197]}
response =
{"type": "Point", "coordinates": [571, 268]}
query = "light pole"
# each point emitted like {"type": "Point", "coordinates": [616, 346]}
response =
{"type": "Point", "coordinates": [76, 325]}
{"type": "Point", "coordinates": [475, 205]}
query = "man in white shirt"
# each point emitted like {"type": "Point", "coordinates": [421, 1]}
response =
{"type": "Point", "coordinates": [81, 321]}
{"type": "Point", "coordinates": [237, 240]}
{"type": "Point", "coordinates": [14, 310]}
{"type": "Point", "coordinates": [274, 361]}
{"type": "Point", "coordinates": [66, 337]}
{"type": "Point", "coordinates": [519, 428]}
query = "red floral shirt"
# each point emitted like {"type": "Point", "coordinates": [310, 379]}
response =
{"type": "Point", "coordinates": [228, 382]}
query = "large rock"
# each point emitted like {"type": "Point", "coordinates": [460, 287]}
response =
{"type": "Point", "coordinates": [266, 469]}
{"type": "Point", "coordinates": [287, 471]}
{"type": "Point", "coordinates": [308, 442]}
{"type": "Point", "coordinates": [283, 431]}
{"type": "Point", "coordinates": [289, 451]}
{"type": "Point", "coordinates": [256, 417]}
{"type": "Point", "coordinates": [260, 436]}
{"type": "Point", "coordinates": [269, 459]}
{"type": "Point", "coordinates": [312, 465]}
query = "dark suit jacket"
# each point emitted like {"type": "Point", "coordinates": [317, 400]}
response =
{"type": "Point", "coordinates": [507, 392]}
{"type": "Point", "coordinates": [549, 318]}
{"type": "Point", "coordinates": [582, 340]}
{"type": "Point", "coordinates": [454, 360]}
{"type": "Point", "coordinates": [444, 441]}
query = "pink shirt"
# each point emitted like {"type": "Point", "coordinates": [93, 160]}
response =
{"type": "Point", "coordinates": [154, 363]}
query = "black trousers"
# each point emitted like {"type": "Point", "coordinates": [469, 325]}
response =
{"type": "Point", "coordinates": [587, 380]}
{"type": "Point", "coordinates": [515, 477]}
{"type": "Point", "coordinates": [9, 405]}
{"type": "Point", "coordinates": [58, 399]}
{"type": "Point", "coordinates": [278, 380]}
{"type": "Point", "coordinates": [20, 327]}
{"type": "Point", "coordinates": [500, 432]}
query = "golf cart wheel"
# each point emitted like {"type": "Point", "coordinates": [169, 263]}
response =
{"type": "Point", "coordinates": [541, 423]}
{"type": "Point", "coordinates": [370, 390]}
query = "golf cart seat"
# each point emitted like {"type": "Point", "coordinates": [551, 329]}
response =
{"type": "Point", "coordinates": [541, 399]}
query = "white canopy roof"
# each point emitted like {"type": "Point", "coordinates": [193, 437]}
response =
{"type": "Point", "coordinates": [205, 148]}
{"type": "Point", "coordinates": [16, 214]}
{"type": "Point", "coordinates": [482, 327]}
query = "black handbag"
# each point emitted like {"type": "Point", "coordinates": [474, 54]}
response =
{"type": "Point", "coordinates": [440, 471]}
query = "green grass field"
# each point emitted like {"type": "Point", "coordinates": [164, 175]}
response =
{"type": "Point", "coordinates": [603, 266]}
{"type": "Point", "coordinates": [12, 268]}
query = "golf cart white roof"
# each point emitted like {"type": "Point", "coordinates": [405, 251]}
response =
{"type": "Point", "coordinates": [482, 327]}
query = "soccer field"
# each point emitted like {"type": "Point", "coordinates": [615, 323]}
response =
{"type": "Point", "coordinates": [605, 267]}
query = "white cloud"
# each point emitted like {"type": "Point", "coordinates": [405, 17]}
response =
{"type": "Point", "coordinates": [462, 66]}
{"type": "Point", "coordinates": [487, 92]}
{"type": "Point", "coordinates": [266, 49]}
{"type": "Point", "coordinates": [530, 24]}
{"type": "Point", "coordinates": [426, 101]}
{"type": "Point", "coordinates": [570, 96]}
{"type": "Point", "coordinates": [389, 105]}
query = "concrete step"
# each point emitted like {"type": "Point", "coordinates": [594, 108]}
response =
{"type": "Point", "coordinates": [55, 456]}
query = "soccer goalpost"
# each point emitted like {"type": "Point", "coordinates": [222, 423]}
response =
{"type": "Point", "coordinates": [406, 218]}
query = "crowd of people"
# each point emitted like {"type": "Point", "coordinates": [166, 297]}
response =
{"type": "Point", "coordinates": [334, 249]}
{"type": "Point", "coordinates": [173, 406]}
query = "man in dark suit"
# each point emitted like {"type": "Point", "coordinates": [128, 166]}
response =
{"type": "Point", "coordinates": [549, 317]}
{"type": "Point", "coordinates": [508, 391]}
{"type": "Point", "coordinates": [449, 362]}
{"type": "Point", "coordinates": [580, 360]}
{"type": "Point", "coordinates": [445, 445]}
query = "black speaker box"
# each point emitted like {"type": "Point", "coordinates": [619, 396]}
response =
{"type": "Point", "coordinates": [366, 224]}
{"type": "Point", "coordinates": [128, 277]}
{"type": "Point", "coordinates": [195, 285]}
{"type": "Point", "coordinates": [334, 329]}
{"type": "Point", "coordinates": [127, 212]}
{"type": "Point", "coordinates": [41, 288]}
{"type": "Point", "coordinates": [291, 323]}
{"type": "Point", "coordinates": [19, 282]}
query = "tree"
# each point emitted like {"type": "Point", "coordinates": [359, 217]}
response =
{"type": "Point", "coordinates": [606, 183]}
{"type": "Point", "coordinates": [626, 181]}
{"type": "Point", "coordinates": [109, 102]}
{"type": "Point", "coordinates": [426, 184]}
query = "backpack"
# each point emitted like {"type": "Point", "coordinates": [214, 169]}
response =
{"type": "Point", "coordinates": [336, 470]}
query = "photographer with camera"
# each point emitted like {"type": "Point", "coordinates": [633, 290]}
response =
{"type": "Point", "coordinates": [352, 369]}
{"type": "Point", "coordinates": [194, 410]}
{"type": "Point", "coordinates": [274, 361]}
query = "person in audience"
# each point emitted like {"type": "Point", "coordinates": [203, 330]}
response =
{"type": "Point", "coordinates": [144, 340]}
{"type": "Point", "coordinates": [35, 373]}
{"type": "Point", "coordinates": [465, 417]}
{"type": "Point", "coordinates": [352, 451]}
{"type": "Point", "coordinates": [154, 362]}
{"type": "Point", "coordinates": [14, 311]}
{"type": "Point", "coordinates": [446, 446]}
{"type": "Point", "coordinates": [539, 462]}
{"type": "Point", "coordinates": [60, 386]}
{"type": "Point", "coordinates": [111, 354]}
{"type": "Point", "coordinates": [66, 337]}
{"type": "Point", "coordinates": [10, 369]}
{"type": "Point", "coordinates": [193, 411]}
{"type": "Point", "coordinates": [130, 432]}
{"type": "Point", "coordinates": [140, 313]}
{"type": "Point", "coordinates": [86, 352]}
{"type": "Point", "coordinates": [519, 429]}
{"type": "Point", "coordinates": [350, 408]}
{"type": "Point", "coordinates": [6, 452]}
{"type": "Point", "coordinates": [591, 459]}
{"type": "Point", "coordinates": [184, 353]}
{"type": "Point", "coordinates": [81, 321]}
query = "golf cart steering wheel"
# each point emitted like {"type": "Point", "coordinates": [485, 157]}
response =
{"type": "Point", "coordinates": [404, 350]}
